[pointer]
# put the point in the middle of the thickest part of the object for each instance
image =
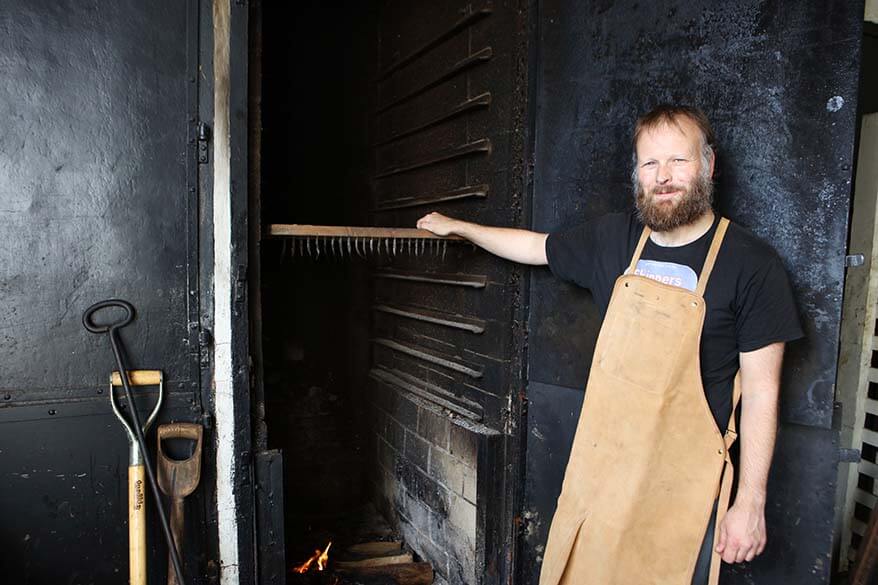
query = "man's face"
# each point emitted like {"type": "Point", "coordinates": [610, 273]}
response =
{"type": "Point", "coordinates": [673, 186]}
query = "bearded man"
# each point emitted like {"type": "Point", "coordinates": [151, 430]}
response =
{"type": "Point", "coordinates": [696, 314]}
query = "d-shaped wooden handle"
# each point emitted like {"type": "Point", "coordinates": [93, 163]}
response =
{"type": "Point", "coordinates": [191, 431]}
{"type": "Point", "coordinates": [138, 378]}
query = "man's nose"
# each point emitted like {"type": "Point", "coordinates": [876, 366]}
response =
{"type": "Point", "coordinates": [664, 174]}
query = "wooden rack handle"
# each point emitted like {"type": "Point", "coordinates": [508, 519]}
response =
{"type": "Point", "coordinates": [297, 230]}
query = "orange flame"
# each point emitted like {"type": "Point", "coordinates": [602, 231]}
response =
{"type": "Point", "coordinates": [321, 558]}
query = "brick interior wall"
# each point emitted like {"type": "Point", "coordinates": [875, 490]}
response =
{"type": "Point", "coordinates": [425, 480]}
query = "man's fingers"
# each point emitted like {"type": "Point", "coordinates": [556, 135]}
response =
{"type": "Point", "coordinates": [426, 223]}
{"type": "Point", "coordinates": [433, 222]}
{"type": "Point", "coordinates": [721, 545]}
{"type": "Point", "coordinates": [730, 554]}
{"type": "Point", "coordinates": [730, 549]}
{"type": "Point", "coordinates": [761, 546]}
{"type": "Point", "coordinates": [735, 551]}
{"type": "Point", "coordinates": [751, 554]}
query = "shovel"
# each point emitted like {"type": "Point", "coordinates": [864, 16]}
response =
{"type": "Point", "coordinates": [136, 491]}
{"type": "Point", "coordinates": [138, 455]}
{"type": "Point", "coordinates": [178, 478]}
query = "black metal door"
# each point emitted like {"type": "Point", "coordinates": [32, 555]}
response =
{"type": "Point", "coordinates": [98, 199]}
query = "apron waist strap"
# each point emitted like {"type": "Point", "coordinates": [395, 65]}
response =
{"type": "Point", "coordinates": [721, 509]}
{"type": "Point", "coordinates": [725, 493]}
{"type": "Point", "coordinates": [730, 437]}
{"type": "Point", "coordinates": [728, 475]}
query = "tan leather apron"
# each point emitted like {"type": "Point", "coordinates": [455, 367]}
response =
{"type": "Point", "coordinates": [648, 460]}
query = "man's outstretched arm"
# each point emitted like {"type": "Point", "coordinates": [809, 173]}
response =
{"type": "Point", "coordinates": [742, 531]}
{"type": "Point", "coordinates": [513, 244]}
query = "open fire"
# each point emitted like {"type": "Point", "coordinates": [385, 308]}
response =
{"type": "Point", "coordinates": [321, 558]}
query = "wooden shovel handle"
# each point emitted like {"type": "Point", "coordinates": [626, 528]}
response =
{"type": "Point", "coordinates": [177, 531]}
{"type": "Point", "coordinates": [191, 431]}
{"type": "Point", "coordinates": [136, 526]}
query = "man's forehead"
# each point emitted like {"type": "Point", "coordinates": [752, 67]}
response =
{"type": "Point", "coordinates": [679, 131]}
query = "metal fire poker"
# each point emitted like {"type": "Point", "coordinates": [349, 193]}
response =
{"type": "Point", "coordinates": [314, 240]}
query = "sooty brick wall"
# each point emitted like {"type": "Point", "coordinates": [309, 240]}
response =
{"type": "Point", "coordinates": [425, 479]}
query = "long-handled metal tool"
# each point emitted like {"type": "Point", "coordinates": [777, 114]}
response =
{"type": "Point", "coordinates": [138, 458]}
{"type": "Point", "coordinates": [178, 477]}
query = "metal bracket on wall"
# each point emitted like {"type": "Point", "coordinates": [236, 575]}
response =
{"type": "Point", "coordinates": [849, 455]}
{"type": "Point", "coordinates": [203, 140]}
{"type": "Point", "coordinates": [852, 260]}
{"type": "Point", "coordinates": [205, 340]}
{"type": "Point", "coordinates": [241, 283]}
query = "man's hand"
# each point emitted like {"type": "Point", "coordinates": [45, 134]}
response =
{"type": "Point", "coordinates": [742, 533]}
{"type": "Point", "coordinates": [513, 244]}
{"type": "Point", "coordinates": [437, 223]}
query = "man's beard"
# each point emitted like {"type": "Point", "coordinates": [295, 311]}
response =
{"type": "Point", "coordinates": [664, 216]}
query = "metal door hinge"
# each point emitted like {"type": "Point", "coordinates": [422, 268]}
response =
{"type": "Point", "coordinates": [507, 417]}
{"type": "Point", "coordinates": [241, 283]}
{"type": "Point", "coordinates": [852, 260]}
{"type": "Point", "coordinates": [203, 141]}
{"type": "Point", "coordinates": [205, 340]}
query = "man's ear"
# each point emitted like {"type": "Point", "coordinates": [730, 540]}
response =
{"type": "Point", "coordinates": [712, 163]}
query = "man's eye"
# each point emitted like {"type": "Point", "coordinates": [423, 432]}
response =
{"type": "Point", "coordinates": [649, 163]}
{"type": "Point", "coordinates": [680, 160]}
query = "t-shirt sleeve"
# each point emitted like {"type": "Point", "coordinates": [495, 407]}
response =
{"type": "Point", "coordinates": [572, 253]}
{"type": "Point", "coordinates": [766, 312]}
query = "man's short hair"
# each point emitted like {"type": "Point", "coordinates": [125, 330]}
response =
{"type": "Point", "coordinates": [670, 114]}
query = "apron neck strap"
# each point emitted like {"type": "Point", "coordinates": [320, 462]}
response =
{"type": "Point", "coordinates": [708, 262]}
{"type": "Point", "coordinates": [639, 249]}
{"type": "Point", "coordinates": [711, 256]}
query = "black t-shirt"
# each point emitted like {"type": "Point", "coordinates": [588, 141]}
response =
{"type": "Point", "coordinates": [749, 300]}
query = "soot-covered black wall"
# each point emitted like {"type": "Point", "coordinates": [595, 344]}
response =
{"type": "Point", "coordinates": [779, 83]}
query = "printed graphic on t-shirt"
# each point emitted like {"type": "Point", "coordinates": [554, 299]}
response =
{"type": "Point", "coordinates": [667, 273]}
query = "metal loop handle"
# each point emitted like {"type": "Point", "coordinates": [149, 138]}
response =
{"type": "Point", "coordinates": [89, 324]}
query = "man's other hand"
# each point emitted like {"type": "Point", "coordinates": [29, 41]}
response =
{"type": "Point", "coordinates": [742, 533]}
{"type": "Point", "coordinates": [437, 223]}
